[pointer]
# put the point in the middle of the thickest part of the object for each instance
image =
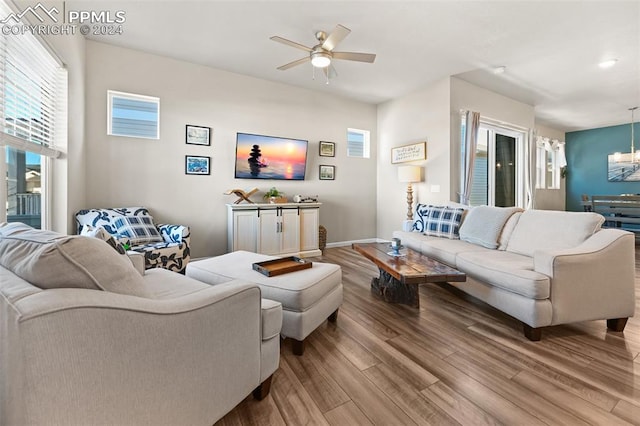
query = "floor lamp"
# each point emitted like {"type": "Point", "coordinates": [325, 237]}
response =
{"type": "Point", "coordinates": [409, 175]}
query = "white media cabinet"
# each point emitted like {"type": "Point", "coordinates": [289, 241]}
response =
{"type": "Point", "coordinates": [275, 229]}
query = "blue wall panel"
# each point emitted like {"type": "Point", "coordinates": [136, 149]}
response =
{"type": "Point", "coordinates": [587, 152]}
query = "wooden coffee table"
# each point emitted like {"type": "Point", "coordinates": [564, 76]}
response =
{"type": "Point", "coordinates": [400, 276]}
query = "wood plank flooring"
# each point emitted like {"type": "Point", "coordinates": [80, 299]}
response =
{"type": "Point", "coordinates": [454, 361]}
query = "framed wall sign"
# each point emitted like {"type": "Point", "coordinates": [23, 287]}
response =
{"type": "Point", "coordinates": [197, 165]}
{"type": "Point", "coordinates": [327, 172]}
{"type": "Point", "coordinates": [198, 135]}
{"type": "Point", "coordinates": [406, 153]}
{"type": "Point", "coordinates": [327, 149]}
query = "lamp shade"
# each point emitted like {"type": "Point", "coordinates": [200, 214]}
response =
{"type": "Point", "coordinates": [409, 174]}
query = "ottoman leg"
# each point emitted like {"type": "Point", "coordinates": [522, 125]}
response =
{"type": "Point", "coordinates": [298, 347]}
{"type": "Point", "coordinates": [334, 316]}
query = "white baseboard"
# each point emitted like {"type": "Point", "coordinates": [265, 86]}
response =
{"type": "Point", "coordinates": [348, 243]}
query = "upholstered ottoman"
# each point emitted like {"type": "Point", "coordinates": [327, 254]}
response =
{"type": "Point", "coordinates": [308, 297]}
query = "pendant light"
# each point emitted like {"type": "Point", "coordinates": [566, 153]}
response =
{"type": "Point", "coordinates": [633, 149]}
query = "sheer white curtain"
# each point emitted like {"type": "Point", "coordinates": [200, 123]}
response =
{"type": "Point", "coordinates": [530, 156]}
{"type": "Point", "coordinates": [469, 144]}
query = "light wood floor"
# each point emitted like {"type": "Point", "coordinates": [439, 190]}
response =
{"type": "Point", "coordinates": [455, 361]}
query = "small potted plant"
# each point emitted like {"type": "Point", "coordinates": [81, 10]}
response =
{"type": "Point", "coordinates": [274, 196]}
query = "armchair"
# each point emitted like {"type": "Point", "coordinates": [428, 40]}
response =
{"type": "Point", "coordinates": [87, 340]}
{"type": "Point", "coordinates": [165, 247]}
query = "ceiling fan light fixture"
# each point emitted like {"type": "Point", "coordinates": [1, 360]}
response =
{"type": "Point", "coordinates": [320, 59]}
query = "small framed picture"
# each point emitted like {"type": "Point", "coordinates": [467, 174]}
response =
{"type": "Point", "coordinates": [327, 149]}
{"type": "Point", "coordinates": [198, 135]}
{"type": "Point", "coordinates": [327, 172]}
{"type": "Point", "coordinates": [196, 165]}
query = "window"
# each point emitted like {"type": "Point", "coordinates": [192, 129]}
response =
{"type": "Point", "coordinates": [134, 116]}
{"type": "Point", "coordinates": [498, 175]}
{"type": "Point", "coordinates": [549, 162]}
{"type": "Point", "coordinates": [32, 118]}
{"type": "Point", "coordinates": [357, 143]}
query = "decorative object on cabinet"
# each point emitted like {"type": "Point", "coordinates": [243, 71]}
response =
{"type": "Point", "coordinates": [197, 165]}
{"type": "Point", "coordinates": [305, 198]}
{"type": "Point", "coordinates": [327, 149]}
{"type": "Point", "coordinates": [406, 153]}
{"type": "Point", "coordinates": [242, 195]}
{"type": "Point", "coordinates": [288, 229]}
{"type": "Point", "coordinates": [409, 175]}
{"type": "Point", "coordinates": [327, 172]}
{"type": "Point", "coordinates": [198, 135]}
{"type": "Point", "coordinates": [274, 196]}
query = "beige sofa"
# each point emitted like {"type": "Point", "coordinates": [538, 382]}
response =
{"type": "Point", "coordinates": [542, 267]}
{"type": "Point", "coordinates": [86, 339]}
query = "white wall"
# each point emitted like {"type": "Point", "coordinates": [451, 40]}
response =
{"type": "Point", "coordinates": [128, 172]}
{"type": "Point", "coordinates": [420, 116]}
{"type": "Point", "coordinates": [551, 199]}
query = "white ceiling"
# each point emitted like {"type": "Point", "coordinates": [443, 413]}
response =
{"type": "Point", "coordinates": [551, 48]}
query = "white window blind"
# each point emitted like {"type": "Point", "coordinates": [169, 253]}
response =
{"type": "Point", "coordinates": [132, 115]}
{"type": "Point", "coordinates": [357, 143]}
{"type": "Point", "coordinates": [33, 92]}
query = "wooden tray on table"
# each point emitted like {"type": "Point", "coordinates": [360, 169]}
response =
{"type": "Point", "coordinates": [274, 267]}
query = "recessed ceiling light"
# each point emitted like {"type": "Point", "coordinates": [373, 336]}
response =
{"type": "Point", "coordinates": [499, 70]}
{"type": "Point", "coordinates": [607, 64]}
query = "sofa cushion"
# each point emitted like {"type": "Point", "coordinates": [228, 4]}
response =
{"type": "Point", "coordinates": [552, 230]}
{"type": "Point", "coordinates": [483, 225]}
{"type": "Point", "coordinates": [48, 260]}
{"type": "Point", "coordinates": [138, 229]}
{"type": "Point", "coordinates": [106, 217]}
{"type": "Point", "coordinates": [438, 221]}
{"type": "Point", "coordinates": [506, 270]}
{"type": "Point", "coordinates": [445, 250]}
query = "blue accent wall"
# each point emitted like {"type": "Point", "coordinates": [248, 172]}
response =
{"type": "Point", "coordinates": [587, 152]}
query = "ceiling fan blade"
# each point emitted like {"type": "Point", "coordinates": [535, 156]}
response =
{"type": "Point", "coordinates": [330, 72]}
{"type": "Point", "coordinates": [294, 63]}
{"type": "Point", "coordinates": [291, 43]}
{"type": "Point", "coordinates": [336, 36]}
{"type": "Point", "coordinates": [354, 56]}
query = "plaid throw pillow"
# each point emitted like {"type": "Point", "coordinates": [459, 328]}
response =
{"type": "Point", "coordinates": [138, 229]}
{"type": "Point", "coordinates": [438, 221]}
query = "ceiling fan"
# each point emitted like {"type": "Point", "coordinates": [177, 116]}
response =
{"type": "Point", "coordinates": [322, 53]}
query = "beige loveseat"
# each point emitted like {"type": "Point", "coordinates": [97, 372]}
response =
{"type": "Point", "coordinates": [542, 267]}
{"type": "Point", "coordinates": [85, 339]}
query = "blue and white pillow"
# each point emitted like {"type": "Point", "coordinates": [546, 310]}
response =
{"type": "Point", "coordinates": [438, 221]}
{"type": "Point", "coordinates": [138, 229]}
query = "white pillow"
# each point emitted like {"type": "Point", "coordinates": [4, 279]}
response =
{"type": "Point", "coordinates": [483, 225]}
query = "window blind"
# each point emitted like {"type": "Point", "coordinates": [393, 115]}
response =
{"type": "Point", "coordinates": [133, 115]}
{"type": "Point", "coordinates": [31, 82]}
{"type": "Point", "coordinates": [357, 143]}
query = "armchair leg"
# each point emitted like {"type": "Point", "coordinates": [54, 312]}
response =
{"type": "Point", "coordinates": [531, 333]}
{"type": "Point", "coordinates": [334, 316]}
{"type": "Point", "coordinates": [263, 389]}
{"type": "Point", "coordinates": [616, 324]}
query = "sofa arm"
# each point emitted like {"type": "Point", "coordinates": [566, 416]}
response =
{"type": "Point", "coordinates": [175, 233]}
{"type": "Point", "coordinates": [595, 280]}
{"type": "Point", "coordinates": [187, 360]}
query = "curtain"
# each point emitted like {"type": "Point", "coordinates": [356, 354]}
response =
{"type": "Point", "coordinates": [469, 144]}
{"type": "Point", "coordinates": [530, 170]}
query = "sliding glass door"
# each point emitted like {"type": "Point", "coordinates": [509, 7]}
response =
{"type": "Point", "coordinates": [498, 175]}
